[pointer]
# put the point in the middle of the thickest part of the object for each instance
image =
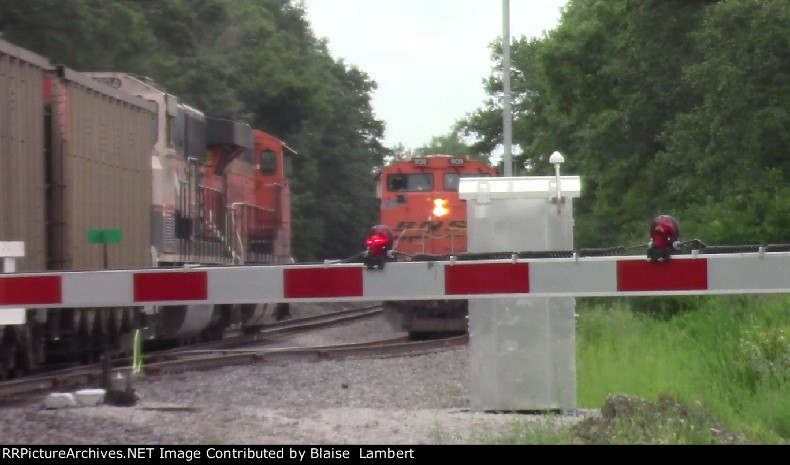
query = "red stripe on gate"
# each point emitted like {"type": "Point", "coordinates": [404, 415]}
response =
{"type": "Point", "coordinates": [494, 278]}
{"type": "Point", "coordinates": [322, 282]}
{"type": "Point", "coordinates": [30, 290]}
{"type": "Point", "coordinates": [154, 287]}
{"type": "Point", "coordinates": [672, 275]}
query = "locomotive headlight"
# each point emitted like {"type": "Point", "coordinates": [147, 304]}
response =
{"type": "Point", "coordinates": [440, 207]}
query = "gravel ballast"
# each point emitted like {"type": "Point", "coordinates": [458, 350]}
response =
{"type": "Point", "coordinates": [422, 399]}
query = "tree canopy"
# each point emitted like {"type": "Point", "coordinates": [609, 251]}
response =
{"type": "Point", "coordinates": [661, 106]}
{"type": "Point", "coordinates": [252, 60]}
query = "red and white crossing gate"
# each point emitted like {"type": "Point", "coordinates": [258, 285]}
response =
{"type": "Point", "coordinates": [741, 273]}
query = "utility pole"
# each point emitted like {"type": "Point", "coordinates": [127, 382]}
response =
{"type": "Point", "coordinates": [507, 116]}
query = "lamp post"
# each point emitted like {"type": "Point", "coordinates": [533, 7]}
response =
{"type": "Point", "coordinates": [507, 117]}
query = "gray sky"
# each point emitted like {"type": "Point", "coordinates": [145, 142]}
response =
{"type": "Point", "coordinates": [429, 57]}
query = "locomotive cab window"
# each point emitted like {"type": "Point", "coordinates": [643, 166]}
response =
{"type": "Point", "coordinates": [268, 162]}
{"type": "Point", "coordinates": [451, 180]}
{"type": "Point", "coordinates": [413, 182]}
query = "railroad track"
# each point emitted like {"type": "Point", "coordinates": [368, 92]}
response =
{"type": "Point", "coordinates": [70, 378]}
{"type": "Point", "coordinates": [236, 338]}
{"type": "Point", "coordinates": [228, 352]}
{"type": "Point", "coordinates": [207, 359]}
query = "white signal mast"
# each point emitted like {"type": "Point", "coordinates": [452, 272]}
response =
{"type": "Point", "coordinates": [507, 115]}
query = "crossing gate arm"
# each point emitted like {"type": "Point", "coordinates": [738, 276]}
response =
{"type": "Point", "coordinates": [743, 273]}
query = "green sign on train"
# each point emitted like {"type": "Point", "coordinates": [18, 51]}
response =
{"type": "Point", "coordinates": [104, 236]}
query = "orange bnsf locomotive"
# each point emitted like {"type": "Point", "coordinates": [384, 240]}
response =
{"type": "Point", "coordinates": [420, 204]}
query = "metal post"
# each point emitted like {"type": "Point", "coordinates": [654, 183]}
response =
{"type": "Point", "coordinates": [557, 159]}
{"type": "Point", "coordinates": [507, 116]}
{"type": "Point", "coordinates": [106, 359]}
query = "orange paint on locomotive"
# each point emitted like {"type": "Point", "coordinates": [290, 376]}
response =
{"type": "Point", "coordinates": [420, 202]}
{"type": "Point", "coordinates": [258, 191]}
{"type": "Point", "coordinates": [273, 168]}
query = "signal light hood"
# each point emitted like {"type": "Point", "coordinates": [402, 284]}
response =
{"type": "Point", "coordinates": [664, 233]}
{"type": "Point", "coordinates": [379, 244]}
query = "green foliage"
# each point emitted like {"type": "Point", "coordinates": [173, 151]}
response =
{"type": "Point", "coordinates": [253, 60]}
{"type": "Point", "coordinates": [731, 355]}
{"type": "Point", "coordinates": [632, 420]}
{"type": "Point", "coordinates": [448, 144]}
{"type": "Point", "coordinates": [665, 307]}
{"type": "Point", "coordinates": [399, 152]}
{"type": "Point", "coordinates": [544, 431]}
{"type": "Point", "coordinates": [85, 34]}
{"type": "Point", "coordinates": [662, 106]}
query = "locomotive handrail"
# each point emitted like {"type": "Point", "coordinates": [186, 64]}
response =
{"type": "Point", "coordinates": [425, 235]}
{"type": "Point", "coordinates": [237, 230]}
{"type": "Point", "coordinates": [237, 234]}
{"type": "Point", "coordinates": [255, 207]}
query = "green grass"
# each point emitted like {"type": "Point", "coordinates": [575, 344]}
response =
{"type": "Point", "coordinates": [692, 371]}
{"type": "Point", "coordinates": [731, 356]}
{"type": "Point", "coordinates": [545, 431]}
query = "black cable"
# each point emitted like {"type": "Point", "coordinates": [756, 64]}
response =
{"type": "Point", "coordinates": [604, 252]}
{"type": "Point", "coordinates": [696, 244]}
{"type": "Point", "coordinates": [488, 255]}
{"type": "Point", "coordinates": [527, 254]}
{"type": "Point", "coordinates": [398, 252]}
{"type": "Point", "coordinates": [717, 249]}
{"type": "Point", "coordinates": [545, 254]}
{"type": "Point", "coordinates": [354, 258]}
{"type": "Point", "coordinates": [421, 257]}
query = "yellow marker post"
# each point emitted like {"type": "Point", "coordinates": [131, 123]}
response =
{"type": "Point", "coordinates": [137, 354]}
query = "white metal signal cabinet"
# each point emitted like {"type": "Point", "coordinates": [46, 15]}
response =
{"type": "Point", "coordinates": [522, 350]}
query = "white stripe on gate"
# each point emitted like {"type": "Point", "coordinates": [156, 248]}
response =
{"type": "Point", "coordinates": [241, 285]}
{"type": "Point", "coordinates": [97, 289]}
{"type": "Point", "coordinates": [771, 273]}
{"type": "Point", "coordinates": [402, 281]}
{"type": "Point", "coordinates": [588, 276]}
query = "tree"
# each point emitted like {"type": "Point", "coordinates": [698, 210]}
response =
{"type": "Point", "coordinates": [601, 88]}
{"type": "Point", "coordinates": [451, 143]}
{"type": "Point", "coordinates": [253, 60]}
{"type": "Point", "coordinates": [85, 34]}
{"type": "Point", "coordinates": [728, 154]}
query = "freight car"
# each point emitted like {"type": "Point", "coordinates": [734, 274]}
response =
{"type": "Point", "coordinates": [82, 152]}
{"type": "Point", "coordinates": [421, 206]}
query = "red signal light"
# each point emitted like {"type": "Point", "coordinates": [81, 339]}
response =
{"type": "Point", "coordinates": [379, 240]}
{"type": "Point", "coordinates": [664, 233]}
{"type": "Point", "coordinates": [379, 243]}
